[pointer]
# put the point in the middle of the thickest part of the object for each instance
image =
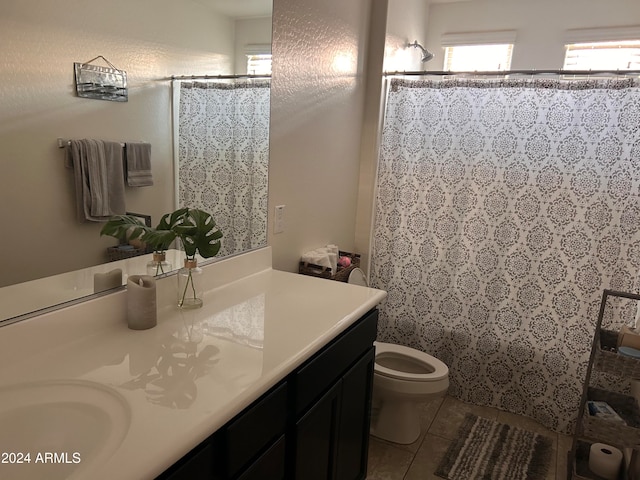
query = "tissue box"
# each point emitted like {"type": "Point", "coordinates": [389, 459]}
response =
{"type": "Point", "coordinates": [342, 275]}
{"type": "Point", "coordinates": [628, 338]}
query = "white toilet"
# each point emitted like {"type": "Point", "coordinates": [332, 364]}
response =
{"type": "Point", "coordinates": [403, 379]}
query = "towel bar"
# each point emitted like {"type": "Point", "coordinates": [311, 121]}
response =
{"type": "Point", "coordinates": [65, 143]}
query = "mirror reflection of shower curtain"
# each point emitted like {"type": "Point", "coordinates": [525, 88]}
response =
{"type": "Point", "coordinates": [503, 209]}
{"type": "Point", "coordinates": [222, 150]}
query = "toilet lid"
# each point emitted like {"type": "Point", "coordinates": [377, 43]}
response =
{"type": "Point", "coordinates": [356, 277]}
{"type": "Point", "coordinates": [440, 370]}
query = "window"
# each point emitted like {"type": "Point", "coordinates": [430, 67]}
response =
{"type": "Point", "coordinates": [259, 64]}
{"type": "Point", "coordinates": [478, 51]}
{"type": "Point", "coordinates": [469, 58]}
{"type": "Point", "coordinates": [258, 59]}
{"type": "Point", "coordinates": [624, 55]}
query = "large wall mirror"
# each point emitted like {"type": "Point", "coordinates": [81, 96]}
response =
{"type": "Point", "coordinates": [48, 256]}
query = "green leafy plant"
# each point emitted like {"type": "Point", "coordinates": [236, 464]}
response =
{"type": "Point", "coordinates": [195, 229]}
{"type": "Point", "coordinates": [124, 227]}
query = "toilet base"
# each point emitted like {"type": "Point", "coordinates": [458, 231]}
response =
{"type": "Point", "coordinates": [395, 420]}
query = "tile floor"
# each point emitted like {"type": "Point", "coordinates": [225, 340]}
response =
{"type": "Point", "coordinates": [440, 422]}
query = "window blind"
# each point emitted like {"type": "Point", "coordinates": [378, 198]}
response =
{"type": "Point", "coordinates": [624, 55]}
{"type": "Point", "coordinates": [468, 58]}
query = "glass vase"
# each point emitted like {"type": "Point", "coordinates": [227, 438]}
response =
{"type": "Point", "coordinates": [158, 265]}
{"type": "Point", "coordinates": [190, 285]}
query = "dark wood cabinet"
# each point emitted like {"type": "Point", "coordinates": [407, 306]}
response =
{"type": "Point", "coordinates": [332, 438]}
{"type": "Point", "coordinates": [251, 433]}
{"type": "Point", "coordinates": [194, 466]}
{"type": "Point", "coordinates": [312, 425]}
{"type": "Point", "coordinates": [315, 443]}
{"type": "Point", "coordinates": [270, 465]}
{"type": "Point", "coordinates": [355, 414]}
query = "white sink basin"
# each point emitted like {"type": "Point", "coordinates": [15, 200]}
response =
{"type": "Point", "coordinates": [63, 426]}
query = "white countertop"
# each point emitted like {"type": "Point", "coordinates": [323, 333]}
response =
{"type": "Point", "coordinates": [178, 382]}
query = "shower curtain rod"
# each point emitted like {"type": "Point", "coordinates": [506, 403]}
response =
{"type": "Point", "coordinates": [515, 72]}
{"type": "Point", "coordinates": [216, 77]}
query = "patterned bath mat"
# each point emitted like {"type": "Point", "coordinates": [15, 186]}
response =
{"type": "Point", "coordinates": [488, 450]}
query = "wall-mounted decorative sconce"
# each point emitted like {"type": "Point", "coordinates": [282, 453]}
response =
{"type": "Point", "coordinates": [101, 83]}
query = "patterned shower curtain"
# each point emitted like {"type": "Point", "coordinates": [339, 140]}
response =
{"type": "Point", "coordinates": [503, 209]}
{"type": "Point", "coordinates": [223, 156]}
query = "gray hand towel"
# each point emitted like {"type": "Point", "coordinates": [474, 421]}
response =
{"type": "Point", "coordinates": [99, 179]}
{"type": "Point", "coordinates": [138, 157]}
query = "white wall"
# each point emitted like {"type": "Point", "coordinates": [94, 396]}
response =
{"type": "Point", "coordinates": [540, 25]}
{"type": "Point", "coordinates": [250, 31]}
{"type": "Point", "coordinates": [317, 97]}
{"type": "Point", "coordinates": [406, 23]}
{"type": "Point", "coordinates": [39, 42]}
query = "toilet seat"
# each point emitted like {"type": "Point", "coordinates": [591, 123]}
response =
{"type": "Point", "coordinates": [357, 277]}
{"type": "Point", "coordinates": [440, 370]}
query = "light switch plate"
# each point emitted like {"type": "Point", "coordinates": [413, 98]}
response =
{"type": "Point", "coordinates": [278, 224]}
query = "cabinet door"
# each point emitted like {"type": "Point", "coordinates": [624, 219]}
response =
{"type": "Point", "coordinates": [332, 438]}
{"type": "Point", "coordinates": [315, 438]}
{"type": "Point", "coordinates": [323, 370]}
{"type": "Point", "coordinates": [270, 466]}
{"type": "Point", "coordinates": [196, 465]}
{"type": "Point", "coordinates": [253, 430]}
{"type": "Point", "coordinates": [355, 415]}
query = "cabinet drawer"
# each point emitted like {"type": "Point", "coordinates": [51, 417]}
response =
{"type": "Point", "coordinates": [255, 428]}
{"type": "Point", "coordinates": [313, 378]}
{"type": "Point", "coordinates": [270, 465]}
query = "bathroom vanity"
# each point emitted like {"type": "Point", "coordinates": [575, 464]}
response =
{"type": "Point", "coordinates": [270, 379]}
{"type": "Point", "coordinates": [312, 425]}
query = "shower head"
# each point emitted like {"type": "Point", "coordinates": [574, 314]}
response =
{"type": "Point", "coordinates": [426, 54]}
